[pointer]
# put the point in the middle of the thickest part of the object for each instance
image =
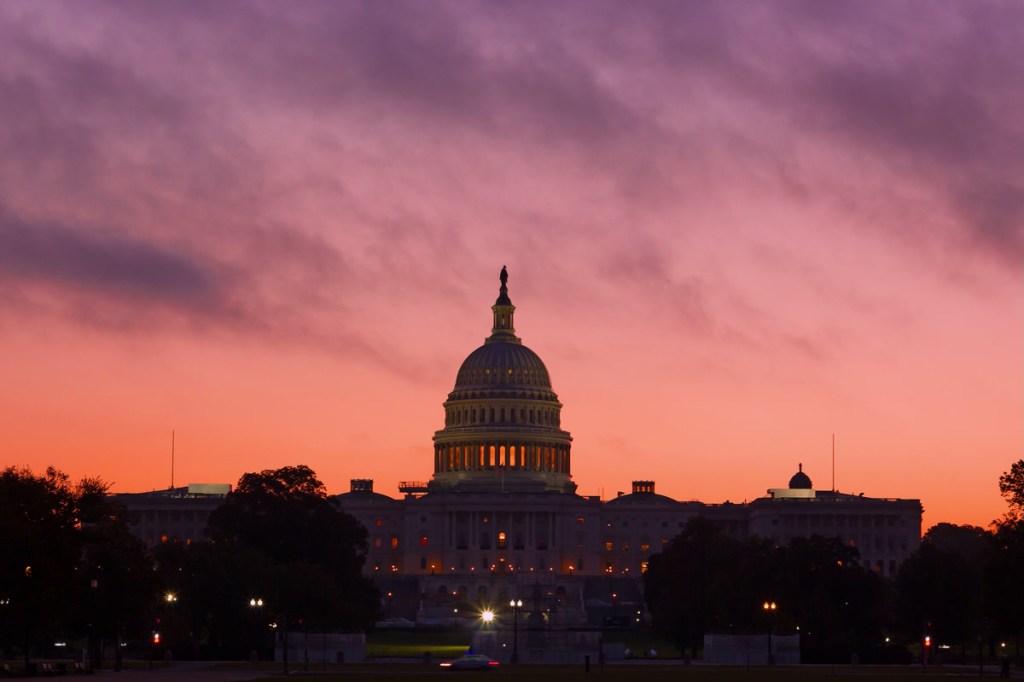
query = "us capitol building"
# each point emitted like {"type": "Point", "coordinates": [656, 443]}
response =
{"type": "Point", "coordinates": [500, 517]}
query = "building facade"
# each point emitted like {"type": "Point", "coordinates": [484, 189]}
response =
{"type": "Point", "coordinates": [500, 516]}
{"type": "Point", "coordinates": [174, 515]}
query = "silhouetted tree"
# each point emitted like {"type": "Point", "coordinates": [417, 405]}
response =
{"type": "Point", "coordinates": [705, 581]}
{"type": "Point", "coordinates": [1006, 565]}
{"type": "Point", "coordinates": [58, 538]}
{"type": "Point", "coordinates": [40, 550]}
{"type": "Point", "coordinates": [316, 549]}
{"type": "Point", "coordinates": [841, 607]}
{"type": "Point", "coordinates": [970, 542]}
{"type": "Point", "coordinates": [114, 581]}
{"type": "Point", "coordinates": [1011, 486]}
{"type": "Point", "coordinates": [939, 587]}
{"type": "Point", "coordinates": [211, 585]}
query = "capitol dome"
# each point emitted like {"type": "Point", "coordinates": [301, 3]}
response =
{"type": "Point", "coordinates": [502, 420]}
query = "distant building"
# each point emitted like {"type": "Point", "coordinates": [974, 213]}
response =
{"type": "Point", "coordinates": [173, 515]}
{"type": "Point", "coordinates": [500, 516]}
{"type": "Point", "coordinates": [884, 530]}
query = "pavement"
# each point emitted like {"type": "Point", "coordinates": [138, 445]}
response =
{"type": "Point", "coordinates": [194, 671]}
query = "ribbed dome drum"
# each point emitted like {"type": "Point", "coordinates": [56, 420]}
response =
{"type": "Point", "coordinates": [502, 420]}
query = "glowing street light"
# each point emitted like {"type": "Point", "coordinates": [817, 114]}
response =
{"type": "Point", "coordinates": [255, 603]}
{"type": "Point", "coordinates": [515, 604]}
{"type": "Point", "coordinates": [487, 616]}
{"type": "Point", "coordinates": [769, 608]}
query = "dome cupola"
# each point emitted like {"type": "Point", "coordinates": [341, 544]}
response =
{"type": "Point", "coordinates": [800, 480]}
{"type": "Point", "coordinates": [502, 420]}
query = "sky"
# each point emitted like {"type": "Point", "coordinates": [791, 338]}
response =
{"type": "Point", "coordinates": [732, 229]}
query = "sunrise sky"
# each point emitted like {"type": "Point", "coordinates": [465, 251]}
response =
{"type": "Point", "coordinates": [731, 229]}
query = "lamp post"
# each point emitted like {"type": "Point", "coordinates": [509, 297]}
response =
{"type": "Point", "coordinates": [256, 608]}
{"type": "Point", "coordinates": [516, 604]}
{"type": "Point", "coordinates": [769, 609]}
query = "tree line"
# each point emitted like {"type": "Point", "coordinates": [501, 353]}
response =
{"type": "Point", "coordinates": [963, 588]}
{"type": "Point", "coordinates": [282, 556]}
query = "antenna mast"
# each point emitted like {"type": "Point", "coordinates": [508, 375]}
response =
{"type": "Point", "coordinates": [172, 459]}
{"type": "Point", "coordinates": [833, 462]}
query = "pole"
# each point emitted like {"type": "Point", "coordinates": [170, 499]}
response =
{"type": "Point", "coordinates": [833, 462]}
{"type": "Point", "coordinates": [515, 634]}
{"type": "Point", "coordinates": [172, 459]}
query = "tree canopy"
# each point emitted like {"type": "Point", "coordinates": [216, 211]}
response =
{"type": "Point", "coordinates": [69, 561]}
{"type": "Point", "coordinates": [1011, 486]}
{"type": "Point", "coordinates": [315, 550]}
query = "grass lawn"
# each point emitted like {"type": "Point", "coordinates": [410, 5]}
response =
{"type": "Point", "coordinates": [414, 643]}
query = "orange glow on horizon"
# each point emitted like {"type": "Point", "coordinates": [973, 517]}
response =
{"type": "Point", "coordinates": [287, 260]}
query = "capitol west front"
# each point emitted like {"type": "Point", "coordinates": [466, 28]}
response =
{"type": "Point", "coordinates": [500, 516]}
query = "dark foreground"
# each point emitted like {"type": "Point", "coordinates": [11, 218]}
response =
{"type": "Point", "coordinates": [641, 671]}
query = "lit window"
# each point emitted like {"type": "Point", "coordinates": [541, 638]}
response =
{"type": "Point", "coordinates": [643, 566]}
{"type": "Point", "coordinates": [379, 522]}
{"type": "Point", "coordinates": [501, 540]}
{"type": "Point", "coordinates": [646, 547]}
{"type": "Point", "coordinates": [423, 541]}
{"type": "Point", "coordinates": [608, 545]}
{"type": "Point", "coordinates": [377, 542]}
{"type": "Point", "coordinates": [580, 519]}
{"type": "Point", "coordinates": [394, 542]}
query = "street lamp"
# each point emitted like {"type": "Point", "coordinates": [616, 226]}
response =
{"type": "Point", "coordinates": [487, 616]}
{"type": "Point", "coordinates": [516, 604]}
{"type": "Point", "coordinates": [255, 604]}
{"type": "Point", "coordinates": [769, 609]}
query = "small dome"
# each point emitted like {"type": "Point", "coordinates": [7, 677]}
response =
{"type": "Point", "coordinates": [800, 480]}
{"type": "Point", "coordinates": [503, 364]}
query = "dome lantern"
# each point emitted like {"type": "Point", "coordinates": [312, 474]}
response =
{"type": "Point", "coordinates": [503, 329]}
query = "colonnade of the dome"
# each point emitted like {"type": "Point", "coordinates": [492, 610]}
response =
{"type": "Point", "coordinates": [542, 457]}
{"type": "Point", "coordinates": [487, 413]}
